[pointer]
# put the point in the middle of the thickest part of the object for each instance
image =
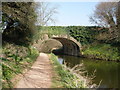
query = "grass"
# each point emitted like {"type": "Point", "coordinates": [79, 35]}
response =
{"type": "Point", "coordinates": [102, 51]}
{"type": "Point", "coordinates": [12, 67]}
{"type": "Point", "coordinates": [64, 78]}
{"type": "Point", "coordinates": [53, 30]}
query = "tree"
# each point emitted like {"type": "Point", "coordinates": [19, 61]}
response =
{"type": "Point", "coordinates": [18, 19]}
{"type": "Point", "coordinates": [105, 15]}
{"type": "Point", "coordinates": [118, 20]}
{"type": "Point", "coordinates": [46, 13]}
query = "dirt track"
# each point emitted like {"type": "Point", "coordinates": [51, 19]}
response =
{"type": "Point", "coordinates": [39, 76]}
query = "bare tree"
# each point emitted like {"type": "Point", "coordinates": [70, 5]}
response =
{"type": "Point", "coordinates": [106, 15]}
{"type": "Point", "coordinates": [46, 13]}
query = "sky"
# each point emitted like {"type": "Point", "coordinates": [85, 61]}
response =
{"type": "Point", "coordinates": [74, 13]}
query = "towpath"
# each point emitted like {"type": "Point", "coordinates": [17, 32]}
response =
{"type": "Point", "coordinates": [39, 76]}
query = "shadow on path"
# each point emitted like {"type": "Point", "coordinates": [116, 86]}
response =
{"type": "Point", "coordinates": [39, 76]}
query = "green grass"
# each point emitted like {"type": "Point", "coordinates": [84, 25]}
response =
{"type": "Point", "coordinates": [102, 51]}
{"type": "Point", "coordinates": [10, 68]}
{"type": "Point", "coordinates": [64, 78]}
{"type": "Point", "coordinates": [53, 30]}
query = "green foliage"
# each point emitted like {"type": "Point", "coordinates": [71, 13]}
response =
{"type": "Point", "coordinates": [15, 59]}
{"type": "Point", "coordinates": [102, 51]}
{"type": "Point", "coordinates": [18, 20]}
{"type": "Point", "coordinates": [53, 30]}
{"type": "Point", "coordinates": [85, 35]}
{"type": "Point", "coordinates": [15, 52]}
{"type": "Point", "coordinates": [67, 79]}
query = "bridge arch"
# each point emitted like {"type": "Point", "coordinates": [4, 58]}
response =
{"type": "Point", "coordinates": [62, 45]}
{"type": "Point", "coordinates": [70, 47]}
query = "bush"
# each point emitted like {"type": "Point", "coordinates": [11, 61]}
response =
{"type": "Point", "coordinates": [85, 35]}
{"type": "Point", "coordinates": [102, 51]}
{"type": "Point", "coordinates": [53, 30]}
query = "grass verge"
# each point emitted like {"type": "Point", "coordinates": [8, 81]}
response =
{"type": "Point", "coordinates": [14, 62]}
{"type": "Point", "coordinates": [64, 78]}
{"type": "Point", "coordinates": [102, 51]}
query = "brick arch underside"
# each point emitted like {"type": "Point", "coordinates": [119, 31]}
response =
{"type": "Point", "coordinates": [69, 47]}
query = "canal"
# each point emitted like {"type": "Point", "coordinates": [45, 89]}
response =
{"type": "Point", "coordinates": [107, 72]}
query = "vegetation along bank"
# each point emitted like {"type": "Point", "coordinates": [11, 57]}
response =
{"type": "Point", "coordinates": [95, 41]}
{"type": "Point", "coordinates": [67, 77]}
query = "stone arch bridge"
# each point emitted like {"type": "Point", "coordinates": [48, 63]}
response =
{"type": "Point", "coordinates": [61, 44]}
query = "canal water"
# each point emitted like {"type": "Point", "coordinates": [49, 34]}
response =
{"type": "Point", "coordinates": [107, 72]}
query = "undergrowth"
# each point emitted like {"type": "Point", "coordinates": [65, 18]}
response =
{"type": "Point", "coordinates": [102, 51]}
{"type": "Point", "coordinates": [14, 60]}
{"type": "Point", "coordinates": [65, 78]}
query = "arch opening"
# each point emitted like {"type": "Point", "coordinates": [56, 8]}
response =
{"type": "Point", "coordinates": [61, 46]}
{"type": "Point", "coordinates": [69, 47]}
{"type": "Point", "coordinates": [49, 45]}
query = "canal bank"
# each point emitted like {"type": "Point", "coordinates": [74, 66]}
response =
{"type": "Point", "coordinates": [104, 52]}
{"type": "Point", "coordinates": [106, 73]}
{"type": "Point", "coordinates": [66, 77]}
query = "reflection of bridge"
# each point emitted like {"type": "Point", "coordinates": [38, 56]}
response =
{"type": "Point", "coordinates": [62, 44]}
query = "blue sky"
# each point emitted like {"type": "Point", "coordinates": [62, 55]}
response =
{"type": "Point", "coordinates": [74, 13]}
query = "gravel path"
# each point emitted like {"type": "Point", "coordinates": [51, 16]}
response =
{"type": "Point", "coordinates": [39, 76]}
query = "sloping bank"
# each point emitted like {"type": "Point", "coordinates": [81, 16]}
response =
{"type": "Point", "coordinates": [15, 61]}
{"type": "Point", "coordinates": [66, 77]}
{"type": "Point", "coordinates": [102, 52]}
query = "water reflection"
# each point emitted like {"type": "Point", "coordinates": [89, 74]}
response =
{"type": "Point", "coordinates": [60, 60]}
{"type": "Point", "coordinates": [108, 72]}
